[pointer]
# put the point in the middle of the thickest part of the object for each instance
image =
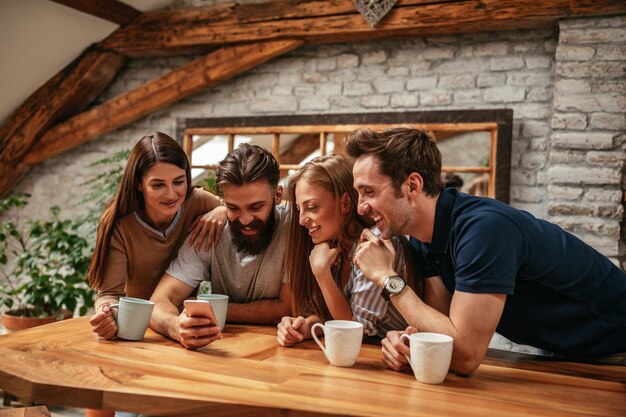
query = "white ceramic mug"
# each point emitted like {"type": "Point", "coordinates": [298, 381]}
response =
{"type": "Point", "coordinates": [343, 341]}
{"type": "Point", "coordinates": [133, 317]}
{"type": "Point", "coordinates": [430, 356]}
{"type": "Point", "coordinates": [219, 303]}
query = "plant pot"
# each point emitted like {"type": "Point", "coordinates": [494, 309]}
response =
{"type": "Point", "coordinates": [13, 322]}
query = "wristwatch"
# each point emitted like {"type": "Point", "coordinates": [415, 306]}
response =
{"type": "Point", "coordinates": [392, 286]}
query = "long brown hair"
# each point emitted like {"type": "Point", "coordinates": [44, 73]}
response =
{"type": "Point", "coordinates": [334, 174]}
{"type": "Point", "coordinates": [152, 148]}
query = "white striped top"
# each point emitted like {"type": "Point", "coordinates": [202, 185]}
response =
{"type": "Point", "coordinates": [367, 303]}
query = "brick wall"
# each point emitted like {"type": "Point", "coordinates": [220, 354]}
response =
{"type": "Point", "coordinates": [586, 173]}
{"type": "Point", "coordinates": [567, 154]}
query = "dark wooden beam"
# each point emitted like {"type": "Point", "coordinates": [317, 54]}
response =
{"type": "Point", "coordinates": [64, 95]}
{"type": "Point", "coordinates": [216, 67]}
{"type": "Point", "coordinates": [332, 21]}
{"type": "Point", "coordinates": [112, 10]}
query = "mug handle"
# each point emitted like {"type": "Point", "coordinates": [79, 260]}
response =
{"type": "Point", "coordinates": [117, 306]}
{"type": "Point", "coordinates": [406, 336]}
{"type": "Point", "coordinates": [316, 339]}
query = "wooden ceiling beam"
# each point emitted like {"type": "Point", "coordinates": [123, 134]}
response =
{"type": "Point", "coordinates": [112, 10]}
{"type": "Point", "coordinates": [212, 69]}
{"type": "Point", "coordinates": [70, 91]}
{"type": "Point", "coordinates": [300, 148]}
{"type": "Point", "coordinates": [332, 21]}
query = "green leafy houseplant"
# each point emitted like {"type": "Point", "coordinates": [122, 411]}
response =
{"type": "Point", "coordinates": [43, 264]}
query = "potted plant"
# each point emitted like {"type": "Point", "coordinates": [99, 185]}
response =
{"type": "Point", "coordinates": [43, 265]}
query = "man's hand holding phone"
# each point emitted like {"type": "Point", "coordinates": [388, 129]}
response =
{"type": "Point", "coordinates": [198, 325]}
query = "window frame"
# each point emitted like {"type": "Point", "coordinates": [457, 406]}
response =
{"type": "Point", "coordinates": [498, 122]}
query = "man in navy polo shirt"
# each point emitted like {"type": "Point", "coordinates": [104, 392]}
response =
{"type": "Point", "coordinates": [488, 267]}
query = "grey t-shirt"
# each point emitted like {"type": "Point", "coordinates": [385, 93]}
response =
{"type": "Point", "coordinates": [244, 278]}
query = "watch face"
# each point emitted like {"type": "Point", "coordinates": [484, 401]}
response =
{"type": "Point", "coordinates": [395, 284]}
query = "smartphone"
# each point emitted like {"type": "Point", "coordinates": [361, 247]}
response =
{"type": "Point", "coordinates": [200, 308]}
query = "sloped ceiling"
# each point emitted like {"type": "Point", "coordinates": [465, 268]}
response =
{"type": "Point", "coordinates": [40, 37]}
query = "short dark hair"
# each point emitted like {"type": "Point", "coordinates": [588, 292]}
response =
{"type": "Point", "coordinates": [452, 180]}
{"type": "Point", "coordinates": [401, 151]}
{"type": "Point", "coordinates": [246, 164]}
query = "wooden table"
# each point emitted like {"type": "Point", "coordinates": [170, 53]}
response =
{"type": "Point", "coordinates": [247, 373]}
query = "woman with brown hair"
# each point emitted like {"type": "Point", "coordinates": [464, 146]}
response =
{"type": "Point", "coordinates": [145, 224]}
{"type": "Point", "coordinates": [324, 227]}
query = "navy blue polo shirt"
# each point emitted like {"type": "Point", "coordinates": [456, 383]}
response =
{"type": "Point", "coordinates": [562, 295]}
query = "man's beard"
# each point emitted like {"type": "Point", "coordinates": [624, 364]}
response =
{"type": "Point", "coordinates": [255, 244]}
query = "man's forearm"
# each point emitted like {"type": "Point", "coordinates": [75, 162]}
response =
{"type": "Point", "coordinates": [164, 318]}
{"type": "Point", "coordinates": [258, 312]}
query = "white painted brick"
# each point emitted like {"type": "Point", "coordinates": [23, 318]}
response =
{"type": "Point", "coordinates": [538, 62]}
{"type": "Point", "coordinates": [491, 49]}
{"type": "Point", "coordinates": [582, 140]}
{"type": "Point", "coordinates": [467, 96]}
{"type": "Point", "coordinates": [569, 121]}
{"type": "Point", "coordinates": [314, 77]}
{"type": "Point", "coordinates": [406, 55]}
{"type": "Point", "coordinates": [611, 21]}
{"type": "Point", "coordinates": [539, 144]}
{"type": "Point", "coordinates": [271, 105]}
{"type": "Point", "coordinates": [348, 61]}
{"type": "Point", "coordinates": [506, 63]}
{"type": "Point", "coordinates": [343, 102]}
{"type": "Point", "coordinates": [372, 58]}
{"type": "Point", "coordinates": [374, 101]}
{"type": "Point", "coordinates": [608, 121]}
{"type": "Point", "coordinates": [528, 194]}
{"type": "Point", "coordinates": [606, 158]}
{"type": "Point", "coordinates": [528, 78]}
{"type": "Point", "coordinates": [523, 177]}
{"type": "Point", "coordinates": [304, 90]}
{"type": "Point", "coordinates": [326, 64]}
{"type": "Point", "coordinates": [405, 100]}
{"type": "Point", "coordinates": [328, 89]}
{"type": "Point", "coordinates": [456, 81]}
{"type": "Point", "coordinates": [539, 94]}
{"type": "Point", "coordinates": [314, 103]}
{"type": "Point", "coordinates": [570, 87]}
{"type": "Point", "coordinates": [388, 86]}
{"type": "Point", "coordinates": [462, 66]}
{"type": "Point", "coordinates": [613, 86]}
{"type": "Point", "coordinates": [566, 157]}
{"type": "Point", "coordinates": [438, 53]}
{"type": "Point", "coordinates": [435, 98]}
{"type": "Point", "coordinates": [604, 195]}
{"type": "Point", "coordinates": [398, 71]}
{"type": "Point", "coordinates": [606, 69]}
{"type": "Point", "coordinates": [420, 68]}
{"type": "Point", "coordinates": [532, 128]}
{"type": "Point", "coordinates": [372, 74]}
{"type": "Point", "coordinates": [611, 52]}
{"type": "Point", "coordinates": [610, 103]}
{"type": "Point", "coordinates": [582, 175]}
{"type": "Point", "coordinates": [560, 192]}
{"type": "Point", "coordinates": [504, 94]}
{"type": "Point", "coordinates": [422, 83]}
{"type": "Point", "coordinates": [574, 53]}
{"type": "Point", "coordinates": [490, 79]}
{"type": "Point", "coordinates": [550, 46]}
{"type": "Point", "coordinates": [532, 110]}
{"type": "Point", "coordinates": [534, 160]}
{"type": "Point", "coordinates": [593, 35]}
{"type": "Point", "coordinates": [357, 89]}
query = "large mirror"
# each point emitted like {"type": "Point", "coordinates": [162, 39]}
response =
{"type": "Point", "coordinates": [475, 145]}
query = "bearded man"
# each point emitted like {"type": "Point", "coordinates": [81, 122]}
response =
{"type": "Point", "coordinates": [247, 262]}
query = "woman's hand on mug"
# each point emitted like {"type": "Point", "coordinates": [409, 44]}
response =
{"type": "Point", "coordinates": [291, 330]}
{"type": "Point", "coordinates": [394, 350]}
{"type": "Point", "coordinates": [103, 323]}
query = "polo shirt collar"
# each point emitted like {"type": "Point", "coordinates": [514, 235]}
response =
{"type": "Point", "coordinates": [443, 221]}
